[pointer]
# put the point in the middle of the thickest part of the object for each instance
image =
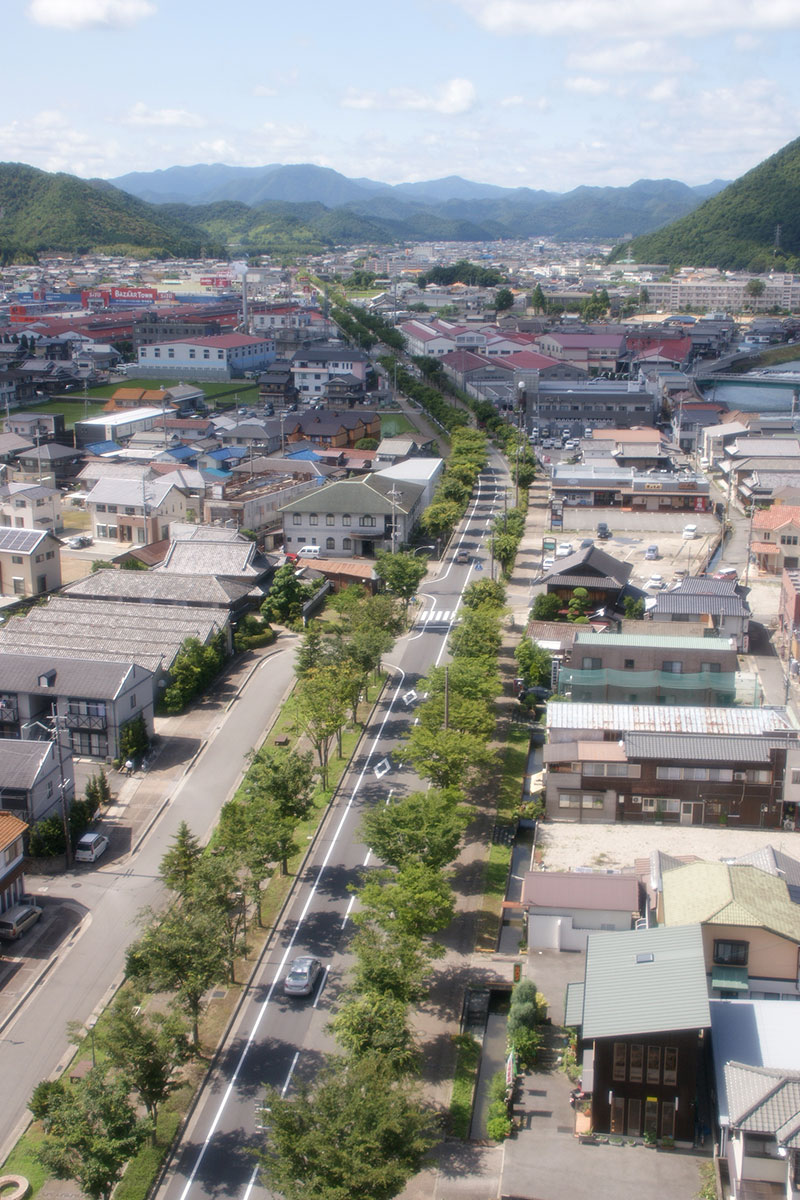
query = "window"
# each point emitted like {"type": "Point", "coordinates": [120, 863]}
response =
{"type": "Point", "coordinates": [655, 804]}
{"type": "Point", "coordinates": [112, 508]}
{"type": "Point", "coordinates": [788, 539]}
{"type": "Point", "coordinates": [313, 519]}
{"type": "Point", "coordinates": [636, 1063]}
{"type": "Point", "coordinates": [618, 1114]}
{"type": "Point", "coordinates": [712, 667]}
{"type": "Point", "coordinates": [672, 666]}
{"type": "Point", "coordinates": [347, 543]}
{"type": "Point", "coordinates": [620, 1062]}
{"type": "Point", "coordinates": [591, 664]}
{"type": "Point", "coordinates": [19, 586]}
{"type": "Point", "coordinates": [50, 554]}
{"type": "Point", "coordinates": [206, 354]}
{"type": "Point", "coordinates": [156, 352]}
{"type": "Point", "coordinates": [634, 1118]}
{"type": "Point", "coordinates": [297, 518]}
{"type": "Point", "coordinates": [795, 775]}
{"type": "Point", "coordinates": [192, 354]}
{"type": "Point", "coordinates": [628, 664]}
{"type": "Point", "coordinates": [670, 1066]}
{"type": "Point", "coordinates": [669, 772]}
{"type": "Point", "coordinates": [330, 519]}
{"type": "Point", "coordinates": [330, 543]}
{"type": "Point", "coordinates": [16, 558]}
{"type": "Point", "coordinates": [170, 353]}
{"type": "Point", "coordinates": [732, 954]}
{"type": "Point", "coordinates": [568, 800]}
{"type": "Point", "coordinates": [653, 1064]}
{"type": "Point", "coordinates": [367, 522]}
{"type": "Point", "coordinates": [346, 519]}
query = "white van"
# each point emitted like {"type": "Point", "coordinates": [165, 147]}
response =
{"type": "Point", "coordinates": [308, 552]}
{"type": "Point", "coordinates": [689, 532]}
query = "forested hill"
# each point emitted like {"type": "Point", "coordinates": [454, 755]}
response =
{"type": "Point", "coordinates": [738, 228]}
{"type": "Point", "coordinates": [41, 211]}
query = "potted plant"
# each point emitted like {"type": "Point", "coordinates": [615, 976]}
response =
{"type": "Point", "coordinates": [650, 1139]}
{"type": "Point", "coordinates": [668, 1143]}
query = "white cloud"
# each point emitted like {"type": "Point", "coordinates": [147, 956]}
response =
{"type": "Point", "coordinates": [89, 14]}
{"type": "Point", "coordinates": [616, 18]}
{"type": "Point", "coordinates": [177, 118]}
{"type": "Point", "coordinates": [663, 91]}
{"type": "Point", "coordinates": [512, 101]}
{"type": "Point", "coordinates": [646, 56]}
{"type": "Point", "coordinates": [261, 89]}
{"type": "Point", "coordinates": [587, 86]}
{"type": "Point", "coordinates": [47, 140]}
{"type": "Point", "coordinates": [452, 98]}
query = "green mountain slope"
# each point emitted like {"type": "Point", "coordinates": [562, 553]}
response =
{"type": "Point", "coordinates": [737, 227]}
{"type": "Point", "coordinates": [40, 211]}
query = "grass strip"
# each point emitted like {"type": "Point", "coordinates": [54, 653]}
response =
{"type": "Point", "coordinates": [468, 1057]}
{"type": "Point", "coordinates": [498, 861]}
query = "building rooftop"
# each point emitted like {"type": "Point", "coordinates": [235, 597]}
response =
{"type": "Point", "coordinates": [20, 763]}
{"type": "Point", "coordinates": [730, 894]}
{"type": "Point", "coordinates": [655, 718]}
{"type": "Point", "coordinates": [644, 641]}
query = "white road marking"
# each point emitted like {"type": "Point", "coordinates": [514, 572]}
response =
{"type": "Point", "coordinates": [321, 987]}
{"type": "Point", "coordinates": [346, 917]}
{"type": "Point", "coordinates": [285, 1087]}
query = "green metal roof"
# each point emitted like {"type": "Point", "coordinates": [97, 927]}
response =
{"type": "Point", "coordinates": [587, 638]}
{"type": "Point", "coordinates": [730, 894]}
{"type": "Point", "coordinates": [730, 979]}
{"type": "Point", "coordinates": [573, 1012]}
{"type": "Point", "coordinates": [645, 981]}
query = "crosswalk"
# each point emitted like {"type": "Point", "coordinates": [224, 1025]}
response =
{"type": "Point", "coordinates": [436, 616]}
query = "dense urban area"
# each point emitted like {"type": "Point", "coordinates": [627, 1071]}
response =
{"type": "Point", "coordinates": [399, 724]}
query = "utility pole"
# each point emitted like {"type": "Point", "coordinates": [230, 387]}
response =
{"type": "Point", "coordinates": [749, 542]}
{"type": "Point", "coordinates": [446, 697]}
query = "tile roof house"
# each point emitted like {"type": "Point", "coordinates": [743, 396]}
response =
{"type": "Point", "coordinates": [603, 576]}
{"type": "Point", "coordinates": [716, 603]}
{"type": "Point", "coordinates": [354, 517]}
{"type": "Point", "coordinates": [750, 924]}
{"type": "Point", "coordinates": [776, 538]}
{"type": "Point", "coordinates": [30, 506]}
{"type": "Point", "coordinates": [642, 1012]}
{"type": "Point", "coordinates": [33, 779]}
{"type": "Point", "coordinates": [133, 510]}
{"type": "Point", "coordinates": [30, 562]}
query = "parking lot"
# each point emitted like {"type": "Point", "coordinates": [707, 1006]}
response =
{"type": "Point", "coordinates": [633, 532]}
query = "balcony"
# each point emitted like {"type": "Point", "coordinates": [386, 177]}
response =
{"type": "Point", "coordinates": [93, 718]}
{"type": "Point", "coordinates": [9, 712]}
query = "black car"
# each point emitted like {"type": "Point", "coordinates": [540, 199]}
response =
{"type": "Point", "coordinates": [603, 531]}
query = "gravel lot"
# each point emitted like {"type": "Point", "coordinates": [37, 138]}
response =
{"type": "Point", "coordinates": [568, 846]}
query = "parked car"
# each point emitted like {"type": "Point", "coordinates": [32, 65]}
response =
{"type": "Point", "coordinates": [90, 846]}
{"type": "Point", "coordinates": [655, 582]}
{"type": "Point", "coordinates": [564, 549]}
{"type": "Point", "coordinates": [689, 532]}
{"type": "Point", "coordinates": [302, 976]}
{"type": "Point", "coordinates": [727, 573]}
{"type": "Point", "coordinates": [586, 543]}
{"type": "Point", "coordinates": [651, 553]}
{"type": "Point", "coordinates": [17, 920]}
{"type": "Point", "coordinates": [548, 562]}
{"type": "Point", "coordinates": [79, 541]}
{"type": "Point", "coordinates": [603, 531]}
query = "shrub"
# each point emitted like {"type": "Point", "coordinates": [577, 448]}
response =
{"type": "Point", "coordinates": [134, 740]}
{"type": "Point", "coordinates": [523, 1016]}
{"type": "Point", "coordinates": [46, 838]}
{"type": "Point", "coordinates": [497, 1085]}
{"type": "Point", "coordinates": [525, 1043]}
{"type": "Point", "coordinates": [498, 1123]}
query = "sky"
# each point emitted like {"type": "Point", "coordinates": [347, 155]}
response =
{"type": "Point", "coordinates": [537, 93]}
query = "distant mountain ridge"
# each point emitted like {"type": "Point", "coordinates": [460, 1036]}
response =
{"type": "Point", "coordinates": [492, 211]}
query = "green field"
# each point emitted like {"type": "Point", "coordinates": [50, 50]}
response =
{"type": "Point", "coordinates": [394, 423]}
{"type": "Point", "coordinates": [72, 410]}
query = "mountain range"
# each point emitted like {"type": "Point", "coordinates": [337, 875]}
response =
{"type": "Point", "coordinates": [290, 210]}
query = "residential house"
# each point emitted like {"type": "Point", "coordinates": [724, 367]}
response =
{"type": "Point", "coordinates": [220, 356]}
{"type": "Point", "coordinates": [789, 612]}
{"type": "Point", "coordinates": [50, 464]}
{"type": "Point", "coordinates": [750, 924]}
{"type": "Point", "coordinates": [716, 603]}
{"type": "Point", "coordinates": [636, 668]}
{"type": "Point", "coordinates": [642, 1015]}
{"type": "Point", "coordinates": [603, 577]}
{"type": "Point", "coordinates": [332, 429]}
{"type": "Point", "coordinates": [776, 538]}
{"type": "Point", "coordinates": [756, 1060]}
{"type": "Point", "coordinates": [220, 552]}
{"type": "Point", "coordinates": [354, 517]}
{"type": "Point", "coordinates": [132, 510]}
{"type": "Point", "coordinates": [592, 352]}
{"type": "Point", "coordinates": [12, 860]}
{"type": "Point", "coordinates": [92, 699]}
{"type": "Point", "coordinates": [553, 404]}
{"type": "Point", "coordinates": [276, 384]}
{"type": "Point", "coordinates": [36, 779]}
{"type": "Point", "coordinates": [313, 368]}
{"type": "Point", "coordinates": [564, 907]}
{"type": "Point", "coordinates": [254, 501]}
{"type": "Point", "coordinates": [423, 472]}
{"type": "Point", "coordinates": [164, 587]}
{"type": "Point", "coordinates": [30, 562]}
{"type": "Point", "coordinates": [30, 506]}
{"type": "Point", "coordinates": [36, 426]}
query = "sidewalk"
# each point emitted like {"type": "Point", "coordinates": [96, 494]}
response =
{"type": "Point", "coordinates": [137, 802]}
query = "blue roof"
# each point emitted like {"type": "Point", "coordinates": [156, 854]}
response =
{"type": "Point", "coordinates": [103, 448]}
{"type": "Point", "coordinates": [306, 455]}
{"type": "Point", "coordinates": [229, 452]}
{"type": "Point", "coordinates": [182, 452]}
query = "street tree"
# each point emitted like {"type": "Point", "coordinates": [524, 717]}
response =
{"type": "Point", "coordinates": [533, 663]}
{"type": "Point", "coordinates": [504, 549]}
{"type": "Point", "coordinates": [402, 573]}
{"type": "Point", "coordinates": [448, 757]}
{"type": "Point", "coordinates": [415, 900]}
{"type": "Point", "coordinates": [475, 677]}
{"type": "Point", "coordinates": [91, 1132]}
{"type": "Point", "coordinates": [320, 708]}
{"type": "Point", "coordinates": [216, 889]}
{"type": "Point", "coordinates": [477, 635]}
{"type": "Point", "coordinates": [439, 518]}
{"type": "Point", "coordinates": [179, 863]}
{"type": "Point", "coordinates": [182, 951]}
{"type": "Point", "coordinates": [458, 712]}
{"type": "Point", "coordinates": [147, 1048]}
{"type": "Point", "coordinates": [354, 1133]}
{"type": "Point", "coordinates": [424, 827]}
{"type": "Point", "coordinates": [376, 1024]}
{"type": "Point", "coordinates": [482, 592]}
{"type": "Point", "coordinates": [389, 961]}
{"type": "Point", "coordinates": [284, 777]}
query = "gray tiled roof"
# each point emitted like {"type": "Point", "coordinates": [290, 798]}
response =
{"type": "Point", "coordinates": [601, 562]}
{"type": "Point", "coordinates": [73, 677]}
{"type": "Point", "coordinates": [358, 496]}
{"type": "Point", "coordinates": [21, 761]}
{"type": "Point", "coordinates": [774, 862]}
{"type": "Point", "coordinates": [676, 747]}
{"type": "Point", "coordinates": [645, 981]}
{"type": "Point", "coordinates": [164, 586]}
{"type": "Point", "coordinates": [682, 603]}
{"type": "Point", "coordinates": [764, 1100]}
{"type": "Point", "coordinates": [215, 557]}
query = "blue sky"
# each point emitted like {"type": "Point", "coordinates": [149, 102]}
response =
{"type": "Point", "coordinates": [537, 93]}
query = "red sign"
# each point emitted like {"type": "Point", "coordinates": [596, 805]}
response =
{"type": "Point", "coordinates": [134, 293]}
{"type": "Point", "coordinates": [216, 281]}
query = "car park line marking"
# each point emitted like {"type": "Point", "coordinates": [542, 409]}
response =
{"type": "Point", "coordinates": [303, 914]}
{"type": "Point", "coordinates": [285, 1087]}
{"type": "Point", "coordinates": [320, 989]}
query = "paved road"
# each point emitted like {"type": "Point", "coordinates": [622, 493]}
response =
{"type": "Point", "coordinates": [275, 1040]}
{"type": "Point", "coordinates": [109, 896]}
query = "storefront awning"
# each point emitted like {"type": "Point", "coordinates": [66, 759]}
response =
{"type": "Point", "coordinates": [729, 979]}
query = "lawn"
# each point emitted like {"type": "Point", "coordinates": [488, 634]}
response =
{"type": "Point", "coordinates": [466, 1075]}
{"type": "Point", "coordinates": [393, 424]}
{"type": "Point", "coordinates": [509, 794]}
{"type": "Point", "coordinates": [72, 410]}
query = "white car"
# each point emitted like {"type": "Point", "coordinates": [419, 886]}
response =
{"type": "Point", "coordinates": [90, 846]}
{"type": "Point", "coordinates": [548, 562]}
{"type": "Point", "coordinates": [689, 532]}
{"type": "Point", "coordinates": [564, 550]}
{"type": "Point", "coordinates": [656, 582]}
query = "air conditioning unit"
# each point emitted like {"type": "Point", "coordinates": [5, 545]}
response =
{"type": "Point", "coordinates": [636, 799]}
{"type": "Point", "coordinates": [740, 775]}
